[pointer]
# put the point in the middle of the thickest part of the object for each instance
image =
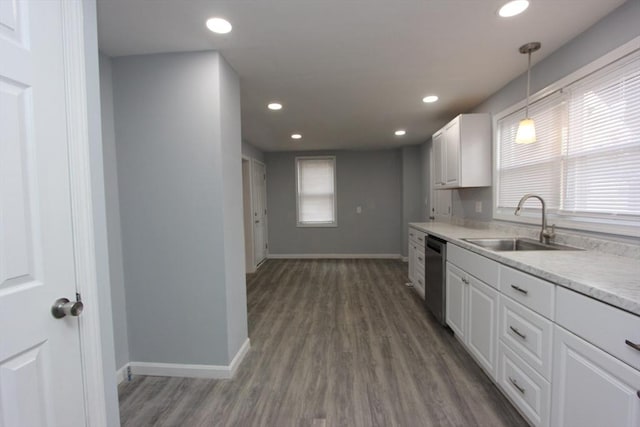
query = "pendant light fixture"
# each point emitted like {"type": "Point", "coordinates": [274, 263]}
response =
{"type": "Point", "coordinates": [526, 129]}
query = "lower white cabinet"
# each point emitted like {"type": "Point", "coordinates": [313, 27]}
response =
{"type": "Point", "coordinates": [456, 301]}
{"type": "Point", "coordinates": [416, 260]}
{"type": "Point", "coordinates": [590, 387]}
{"type": "Point", "coordinates": [472, 314]}
{"type": "Point", "coordinates": [527, 389]}
{"type": "Point", "coordinates": [483, 324]}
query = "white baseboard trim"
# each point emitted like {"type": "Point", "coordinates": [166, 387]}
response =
{"type": "Point", "coordinates": [192, 371]}
{"type": "Point", "coordinates": [121, 374]}
{"type": "Point", "coordinates": [239, 357]}
{"type": "Point", "coordinates": [335, 256]}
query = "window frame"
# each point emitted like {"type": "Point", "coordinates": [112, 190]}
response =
{"type": "Point", "coordinates": [333, 223]}
{"type": "Point", "coordinates": [576, 222]}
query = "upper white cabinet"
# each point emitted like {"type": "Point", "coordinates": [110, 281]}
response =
{"type": "Point", "coordinates": [462, 152]}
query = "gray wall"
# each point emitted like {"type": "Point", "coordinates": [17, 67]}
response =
{"type": "Point", "coordinates": [94, 133]}
{"type": "Point", "coordinates": [252, 151]}
{"type": "Point", "coordinates": [617, 28]}
{"type": "Point", "coordinates": [118, 300]}
{"type": "Point", "coordinates": [371, 179]}
{"type": "Point", "coordinates": [178, 160]}
{"type": "Point", "coordinates": [232, 207]}
{"type": "Point", "coordinates": [412, 201]}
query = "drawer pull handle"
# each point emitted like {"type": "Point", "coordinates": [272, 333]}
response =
{"type": "Point", "coordinates": [519, 289]}
{"type": "Point", "coordinates": [515, 384]}
{"type": "Point", "coordinates": [518, 333]}
{"type": "Point", "coordinates": [632, 345]}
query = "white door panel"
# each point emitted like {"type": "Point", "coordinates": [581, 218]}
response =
{"type": "Point", "coordinates": [40, 364]}
{"type": "Point", "coordinates": [259, 211]}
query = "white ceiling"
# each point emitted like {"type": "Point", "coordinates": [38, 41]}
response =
{"type": "Point", "coordinates": [350, 72]}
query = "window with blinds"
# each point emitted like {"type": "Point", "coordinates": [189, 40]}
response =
{"type": "Point", "coordinates": [316, 191]}
{"type": "Point", "coordinates": [586, 160]}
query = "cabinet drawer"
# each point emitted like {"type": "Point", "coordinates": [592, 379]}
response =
{"type": "Point", "coordinates": [419, 284]}
{"type": "Point", "coordinates": [529, 291]}
{"type": "Point", "coordinates": [528, 334]}
{"type": "Point", "coordinates": [417, 236]}
{"type": "Point", "coordinates": [483, 268]}
{"type": "Point", "coordinates": [420, 257]}
{"type": "Point", "coordinates": [528, 391]}
{"type": "Point", "coordinates": [602, 325]}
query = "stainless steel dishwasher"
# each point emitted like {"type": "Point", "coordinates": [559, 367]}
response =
{"type": "Point", "coordinates": [435, 257]}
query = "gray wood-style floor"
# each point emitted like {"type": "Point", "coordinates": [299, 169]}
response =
{"type": "Point", "coordinates": [333, 343]}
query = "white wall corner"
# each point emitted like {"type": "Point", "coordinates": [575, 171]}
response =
{"type": "Point", "coordinates": [191, 370]}
{"type": "Point", "coordinates": [121, 374]}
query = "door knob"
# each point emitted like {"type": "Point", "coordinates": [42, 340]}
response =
{"type": "Point", "coordinates": [63, 307]}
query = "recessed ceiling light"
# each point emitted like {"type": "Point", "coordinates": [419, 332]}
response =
{"type": "Point", "coordinates": [296, 136]}
{"type": "Point", "coordinates": [513, 8]}
{"type": "Point", "coordinates": [219, 25]}
{"type": "Point", "coordinates": [429, 99]}
{"type": "Point", "coordinates": [401, 132]}
{"type": "Point", "coordinates": [274, 106]}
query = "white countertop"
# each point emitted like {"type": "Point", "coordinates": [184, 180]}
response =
{"type": "Point", "coordinates": [612, 279]}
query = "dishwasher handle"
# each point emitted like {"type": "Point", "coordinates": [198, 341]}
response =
{"type": "Point", "coordinates": [435, 244]}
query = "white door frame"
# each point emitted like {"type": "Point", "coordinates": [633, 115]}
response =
{"type": "Point", "coordinates": [265, 222]}
{"type": "Point", "coordinates": [82, 211]}
{"type": "Point", "coordinates": [252, 262]}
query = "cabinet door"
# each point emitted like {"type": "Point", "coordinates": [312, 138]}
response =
{"type": "Point", "coordinates": [438, 159]}
{"type": "Point", "coordinates": [412, 261]}
{"type": "Point", "coordinates": [452, 153]}
{"type": "Point", "coordinates": [456, 301]}
{"type": "Point", "coordinates": [483, 324]}
{"type": "Point", "coordinates": [590, 387]}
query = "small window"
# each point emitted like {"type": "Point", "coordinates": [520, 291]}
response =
{"type": "Point", "coordinates": [316, 191]}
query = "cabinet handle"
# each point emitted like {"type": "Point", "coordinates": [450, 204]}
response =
{"type": "Point", "coordinates": [518, 333]}
{"type": "Point", "coordinates": [515, 384]}
{"type": "Point", "coordinates": [632, 345]}
{"type": "Point", "coordinates": [419, 259]}
{"type": "Point", "coordinates": [519, 289]}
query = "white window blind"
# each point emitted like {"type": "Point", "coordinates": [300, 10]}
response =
{"type": "Point", "coordinates": [531, 168]}
{"type": "Point", "coordinates": [586, 160]}
{"type": "Point", "coordinates": [316, 191]}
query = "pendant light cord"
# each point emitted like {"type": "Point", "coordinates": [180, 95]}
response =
{"type": "Point", "coordinates": [528, 85]}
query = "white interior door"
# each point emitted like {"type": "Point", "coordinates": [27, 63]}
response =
{"type": "Point", "coordinates": [259, 211]}
{"type": "Point", "coordinates": [440, 200]}
{"type": "Point", "coordinates": [40, 360]}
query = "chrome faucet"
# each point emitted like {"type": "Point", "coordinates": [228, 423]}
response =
{"type": "Point", "coordinates": [545, 234]}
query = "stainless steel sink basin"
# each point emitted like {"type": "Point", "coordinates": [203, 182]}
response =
{"type": "Point", "coordinates": [518, 244]}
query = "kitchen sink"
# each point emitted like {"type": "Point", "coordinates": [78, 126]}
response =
{"type": "Point", "coordinates": [518, 244]}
